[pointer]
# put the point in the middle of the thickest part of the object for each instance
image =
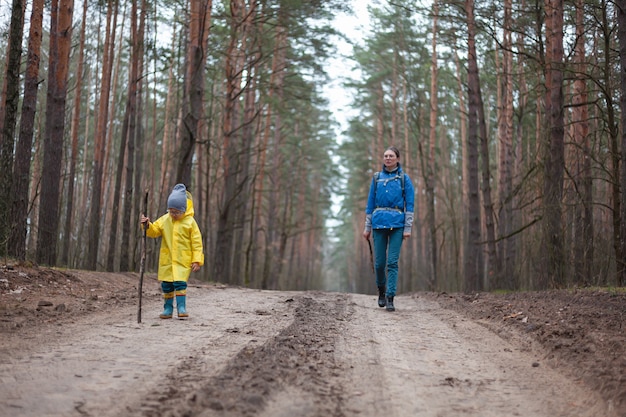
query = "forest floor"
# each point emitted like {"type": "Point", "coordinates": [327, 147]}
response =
{"type": "Point", "coordinates": [72, 346]}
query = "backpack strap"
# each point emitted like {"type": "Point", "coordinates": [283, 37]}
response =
{"type": "Point", "coordinates": [377, 175]}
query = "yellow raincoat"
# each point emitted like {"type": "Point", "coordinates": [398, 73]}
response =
{"type": "Point", "coordinates": [181, 244]}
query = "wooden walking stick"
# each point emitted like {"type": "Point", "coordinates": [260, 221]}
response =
{"type": "Point", "coordinates": [371, 255]}
{"type": "Point", "coordinates": [142, 264]}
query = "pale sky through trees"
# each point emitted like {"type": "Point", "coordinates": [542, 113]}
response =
{"type": "Point", "coordinates": [340, 68]}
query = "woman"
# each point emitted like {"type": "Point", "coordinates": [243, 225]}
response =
{"type": "Point", "coordinates": [389, 214]}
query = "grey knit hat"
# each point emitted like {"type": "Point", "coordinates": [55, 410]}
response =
{"type": "Point", "coordinates": [178, 198]}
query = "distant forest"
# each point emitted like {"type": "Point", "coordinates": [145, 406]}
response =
{"type": "Point", "coordinates": [509, 117]}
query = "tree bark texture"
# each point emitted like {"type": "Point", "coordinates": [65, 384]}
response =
{"type": "Point", "coordinates": [580, 163]}
{"type": "Point", "coordinates": [621, 21]}
{"type": "Point", "coordinates": [74, 133]}
{"type": "Point", "coordinates": [231, 144]}
{"type": "Point", "coordinates": [23, 152]}
{"type": "Point", "coordinates": [472, 272]}
{"type": "Point", "coordinates": [505, 276]}
{"type": "Point", "coordinates": [429, 180]}
{"type": "Point", "coordinates": [553, 275]}
{"type": "Point", "coordinates": [8, 118]}
{"type": "Point", "coordinates": [100, 138]}
{"type": "Point", "coordinates": [199, 24]}
{"type": "Point", "coordinates": [58, 68]}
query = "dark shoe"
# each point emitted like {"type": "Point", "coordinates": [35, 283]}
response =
{"type": "Point", "coordinates": [390, 306]}
{"type": "Point", "coordinates": [381, 297]}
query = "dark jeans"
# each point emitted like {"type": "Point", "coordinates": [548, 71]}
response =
{"type": "Point", "coordinates": [387, 244]}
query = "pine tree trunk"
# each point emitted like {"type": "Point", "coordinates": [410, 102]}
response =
{"type": "Point", "coordinates": [472, 270]}
{"type": "Point", "coordinates": [492, 255]}
{"type": "Point", "coordinates": [60, 43]}
{"type": "Point", "coordinates": [8, 118]}
{"type": "Point", "coordinates": [75, 125]}
{"type": "Point", "coordinates": [554, 273]}
{"type": "Point", "coordinates": [126, 158]}
{"type": "Point", "coordinates": [429, 179]}
{"type": "Point", "coordinates": [100, 136]}
{"type": "Point", "coordinates": [23, 152]}
{"type": "Point", "coordinates": [581, 169]}
{"type": "Point", "coordinates": [80, 251]}
{"type": "Point", "coordinates": [109, 200]}
{"type": "Point", "coordinates": [248, 135]}
{"type": "Point", "coordinates": [517, 217]}
{"type": "Point", "coordinates": [411, 162]}
{"type": "Point", "coordinates": [139, 184]}
{"type": "Point", "coordinates": [503, 275]}
{"type": "Point", "coordinates": [621, 21]}
{"type": "Point", "coordinates": [464, 169]}
{"type": "Point", "coordinates": [33, 236]}
{"type": "Point", "coordinates": [199, 24]}
{"type": "Point", "coordinates": [250, 114]}
{"type": "Point", "coordinates": [276, 80]}
{"type": "Point", "coordinates": [616, 160]}
{"type": "Point", "coordinates": [269, 280]}
{"type": "Point", "coordinates": [231, 138]}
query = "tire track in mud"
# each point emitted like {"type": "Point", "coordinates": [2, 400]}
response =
{"type": "Point", "coordinates": [107, 365]}
{"type": "Point", "coordinates": [426, 361]}
{"type": "Point", "coordinates": [277, 354]}
{"type": "Point", "coordinates": [293, 373]}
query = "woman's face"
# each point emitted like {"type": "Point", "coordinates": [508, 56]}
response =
{"type": "Point", "coordinates": [390, 159]}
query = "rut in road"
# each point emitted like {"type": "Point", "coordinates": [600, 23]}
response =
{"type": "Point", "coordinates": [301, 357]}
{"type": "Point", "coordinates": [343, 356]}
{"type": "Point", "coordinates": [284, 354]}
{"type": "Point", "coordinates": [426, 361]}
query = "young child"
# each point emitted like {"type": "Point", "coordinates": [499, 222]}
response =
{"type": "Point", "coordinates": [181, 248]}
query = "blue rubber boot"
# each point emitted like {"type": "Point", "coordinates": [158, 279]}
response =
{"type": "Point", "coordinates": [181, 301]}
{"type": "Point", "coordinates": [181, 305]}
{"type": "Point", "coordinates": [168, 309]}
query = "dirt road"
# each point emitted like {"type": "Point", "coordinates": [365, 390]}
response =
{"type": "Point", "coordinates": [261, 353]}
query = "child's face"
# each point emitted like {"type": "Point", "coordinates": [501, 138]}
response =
{"type": "Point", "coordinates": [176, 214]}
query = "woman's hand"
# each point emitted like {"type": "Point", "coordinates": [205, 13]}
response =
{"type": "Point", "coordinates": [406, 236]}
{"type": "Point", "coordinates": [366, 234]}
{"type": "Point", "coordinates": [195, 267]}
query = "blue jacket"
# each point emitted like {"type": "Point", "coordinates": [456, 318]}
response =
{"type": "Point", "coordinates": [388, 207]}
